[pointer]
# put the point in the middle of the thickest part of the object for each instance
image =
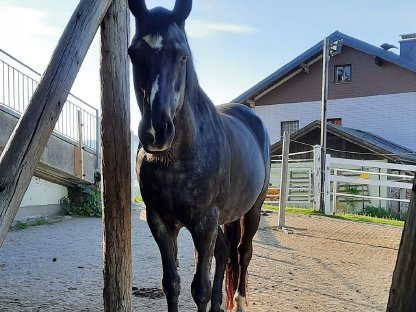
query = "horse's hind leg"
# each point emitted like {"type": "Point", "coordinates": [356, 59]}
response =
{"type": "Point", "coordinates": [166, 239]}
{"type": "Point", "coordinates": [249, 225]}
{"type": "Point", "coordinates": [221, 254]}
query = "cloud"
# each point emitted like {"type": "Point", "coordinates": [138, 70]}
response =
{"type": "Point", "coordinates": [25, 33]}
{"type": "Point", "coordinates": [200, 29]}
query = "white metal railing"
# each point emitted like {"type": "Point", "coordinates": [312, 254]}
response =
{"type": "Point", "coordinates": [17, 85]}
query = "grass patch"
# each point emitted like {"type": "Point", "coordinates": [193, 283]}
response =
{"type": "Point", "coordinates": [351, 217]}
{"type": "Point", "coordinates": [348, 217]}
{"type": "Point", "coordinates": [40, 221]}
{"type": "Point", "coordinates": [138, 199]}
{"type": "Point", "coordinates": [21, 225]}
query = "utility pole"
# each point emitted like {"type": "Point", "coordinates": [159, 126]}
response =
{"type": "Point", "coordinates": [325, 63]}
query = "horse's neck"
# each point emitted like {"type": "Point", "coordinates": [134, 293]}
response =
{"type": "Point", "coordinates": [197, 114]}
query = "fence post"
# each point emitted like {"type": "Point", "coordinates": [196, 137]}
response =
{"type": "Point", "coordinates": [283, 179]}
{"type": "Point", "coordinates": [334, 194]}
{"type": "Point", "coordinates": [403, 287]}
{"type": "Point", "coordinates": [97, 139]}
{"type": "Point", "coordinates": [317, 154]}
{"type": "Point", "coordinates": [327, 185]}
{"type": "Point", "coordinates": [116, 166]}
{"type": "Point", "coordinates": [79, 154]}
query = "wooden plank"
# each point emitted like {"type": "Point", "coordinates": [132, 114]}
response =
{"type": "Point", "coordinates": [27, 142]}
{"type": "Point", "coordinates": [78, 162]}
{"type": "Point", "coordinates": [403, 287]}
{"type": "Point", "coordinates": [373, 164]}
{"type": "Point", "coordinates": [81, 141]}
{"type": "Point", "coordinates": [115, 138]}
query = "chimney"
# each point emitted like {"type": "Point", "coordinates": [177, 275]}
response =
{"type": "Point", "coordinates": [408, 47]}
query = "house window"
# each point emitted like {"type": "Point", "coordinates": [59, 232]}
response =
{"type": "Point", "coordinates": [342, 73]}
{"type": "Point", "coordinates": [335, 121]}
{"type": "Point", "coordinates": [291, 126]}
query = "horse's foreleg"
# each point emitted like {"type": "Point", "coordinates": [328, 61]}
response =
{"type": "Point", "coordinates": [204, 234]}
{"type": "Point", "coordinates": [166, 239]}
{"type": "Point", "coordinates": [249, 223]}
{"type": "Point", "coordinates": [221, 254]}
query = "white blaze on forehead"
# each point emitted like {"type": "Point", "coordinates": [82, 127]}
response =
{"type": "Point", "coordinates": [155, 89]}
{"type": "Point", "coordinates": [153, 92]}
{"type": "Point", "coordinates": [154, 41]}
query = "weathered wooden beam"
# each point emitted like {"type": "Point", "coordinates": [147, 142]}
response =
{"type": "Point", "coordinates": [115, 136]}
{"type": "Point", "coordinates": [403, 287]}
{"type": "Point", "coordinates": [27, 142]}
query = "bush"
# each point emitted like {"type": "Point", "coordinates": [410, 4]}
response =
{"type": "Point", "coordinates": [352, 201]}
{"type": "Point", "coordinates": [82, 201]}
{"type": "Point", "coordinates": [382, 213]}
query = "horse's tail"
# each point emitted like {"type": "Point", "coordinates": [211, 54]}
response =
{"type": "Point", "coordinates": [233, 233]}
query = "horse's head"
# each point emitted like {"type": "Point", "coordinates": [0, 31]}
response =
{"type": "Point", "coordinates": [159, 53]}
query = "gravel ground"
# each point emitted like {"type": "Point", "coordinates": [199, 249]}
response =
{"type": "Point", "coordinates": [325, 265]}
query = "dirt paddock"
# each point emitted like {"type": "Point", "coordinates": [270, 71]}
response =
{"type": "Point", "coordinates": [325, 265]}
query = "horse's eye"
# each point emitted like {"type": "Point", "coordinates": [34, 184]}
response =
{"type": "Point", "coordinates": [182, 59]}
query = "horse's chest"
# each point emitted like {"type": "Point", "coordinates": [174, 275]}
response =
{"type": "Point", "coordinates": [180, 187]}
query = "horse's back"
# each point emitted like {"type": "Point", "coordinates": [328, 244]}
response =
{"type": "Point", "coordinates": [249, 146]}
{"type": "Point", "coordinates": [250, 121]}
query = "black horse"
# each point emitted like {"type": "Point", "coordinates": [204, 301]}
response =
{"type": "Point", "coordinates": [202, 167]}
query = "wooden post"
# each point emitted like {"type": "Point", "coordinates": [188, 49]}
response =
{"type": "Point", "coordinates": [115, 135]}
{"type": "Point", "coordinates": [27, 142]}
{"type": "Point", "coordinates": [327, 185]}
{"type": "Point", "coordinates": [317, 154]}
{"type": "Point", "coordinates": [334, 194]}
{"type": "Point", "coordinates": [403, 287]}
{"type": "Point", "coordinates": [79, 152]}
{"type": "Point", "coordinates": [283, 179]}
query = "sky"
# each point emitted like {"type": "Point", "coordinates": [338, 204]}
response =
{"type": "Point", "coordinates": [235, 43]}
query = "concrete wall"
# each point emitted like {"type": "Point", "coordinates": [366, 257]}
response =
{"type": "Point", "coordinates": [42, 198]}
{"type": "Point", "coordinates": [389, 116]}
{"type": "Point", "coordinates": [58, 159]}
{"type": "Point", "coordinates": [53, 174]}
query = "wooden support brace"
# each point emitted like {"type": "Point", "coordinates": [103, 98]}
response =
{"type": "Point", "coordinates": [27, 142]}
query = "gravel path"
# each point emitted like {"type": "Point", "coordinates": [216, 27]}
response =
{"type": "Point", "coordinates": [325, 265]}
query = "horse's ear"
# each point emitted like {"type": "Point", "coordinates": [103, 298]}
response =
{"type": "Point", "coordinates": [138, 8]}
{"type": "Point", "coordinates": [182, 9]}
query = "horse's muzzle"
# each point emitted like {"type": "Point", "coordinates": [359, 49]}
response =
{"type": "Point", "coordinates": [157, 140]}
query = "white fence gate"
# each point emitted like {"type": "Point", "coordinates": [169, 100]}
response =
{"type": "Point", "coordinates": [381, 180]}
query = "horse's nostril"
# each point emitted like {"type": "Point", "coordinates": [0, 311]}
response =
{"type": "Point", "coordinates": [149, 137]}
{"type": "Point", "coordinates": [168, 128]}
